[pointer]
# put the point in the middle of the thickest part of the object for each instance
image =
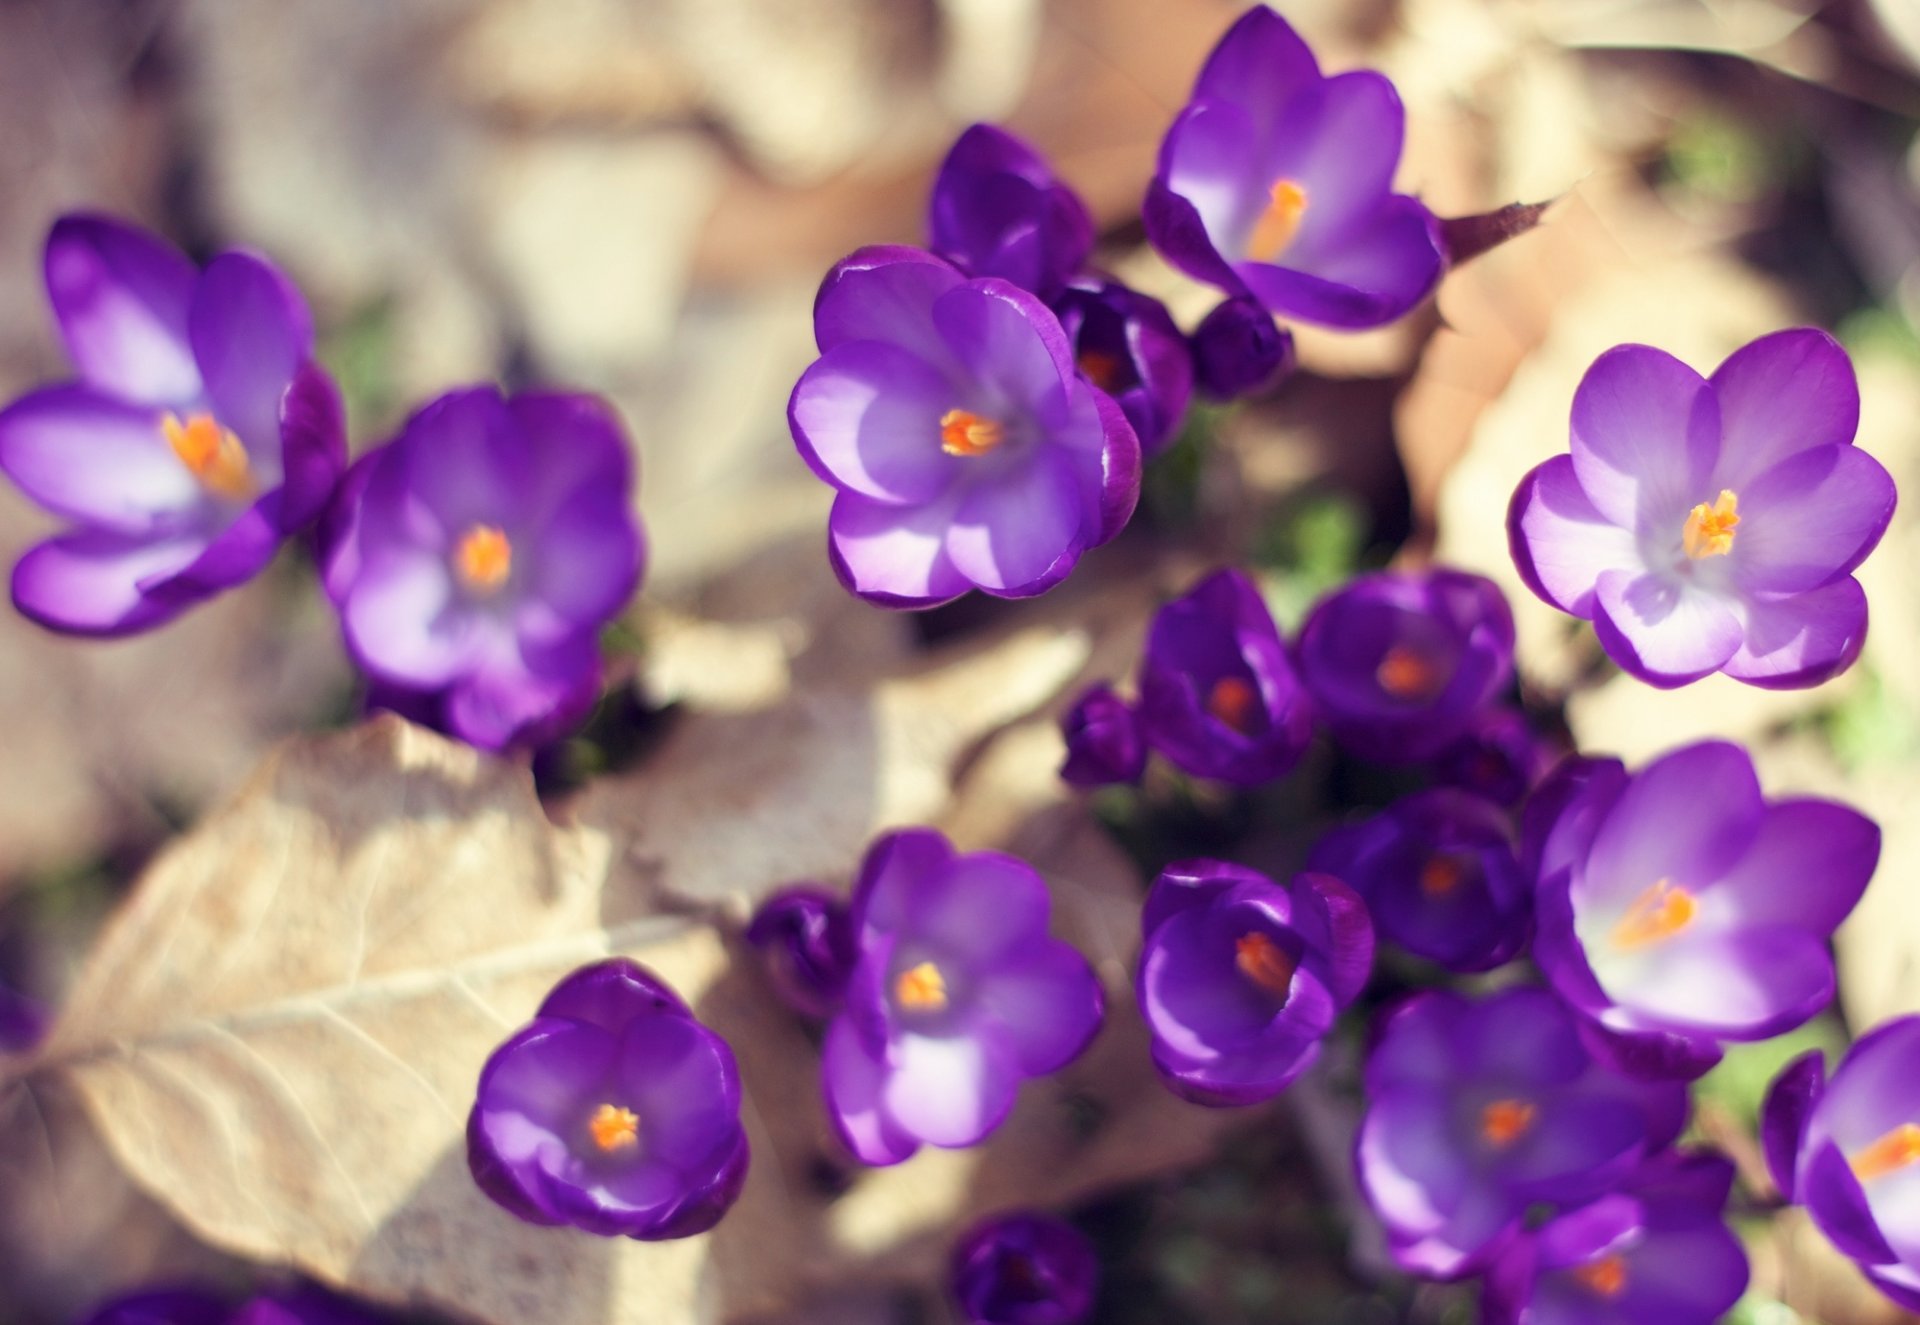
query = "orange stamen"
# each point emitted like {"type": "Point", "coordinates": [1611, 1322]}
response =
{"type": "Point", "coordinates": [1895, 1151]}
{"type": "Point", "coordinates": [484, 558]}
{"type": "Point", "coordinates": [1441, 875]}
{"type": "Point", "coordinates": [1264, 962]}
{"type": "Point", "coordinates": [1407, 674]}
{"type": "Point", "coordinates": [1278, 224]}
{"type": "Point", "coordinates": [212, 453]}
{"type": "Point", "coordinates": [1234, 701]}
{"type": "Point", "coordinates": [614, 1128]}
{"type": "Point", "coordinates": [1101, 369]}
{"type": "Point", "coordinates": [1607, 1276]}
{"type": "Point", "coordinates": [966, 433]}
{"type": "Point", "coordinates": [1655, 916]}
{"type": "Point", "coordinates": [1709, 529]}
{"type": "Point", "coordinates": [1505, 1121]}
{"type": "Point", "coordinates": [921, 988]}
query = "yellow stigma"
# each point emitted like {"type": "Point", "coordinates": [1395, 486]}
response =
{"type": "Point", "coordinates": [484, 558]}
{"type": "Point", "coordinates": [614, 1128]}
{"type": "Point", "coordinates": [1897, 1150]}
{"type": "Point", "coordinates": [1264, 962]}
{"type": "Point", "coordinates": [1234, 701]}
{"type": "Point", "coordinates": [965, 433]}
{"type": "Point", "coordinates": [1655, 916]}
{"type": "Point", "coordinates": [1606, 1277]}
{"type": "Point", "coordinates": [1407, 674]}
{"type": "Point", "coordinates": [1441, 875]}
{"type": "Point", "coordinates": [921, 988]}
{"type": "Point", "coordinates": [1101, 369]}
{"type": "Point", "coordinates": [1278, 224]}
{"type": "Point", "coordinates": [211, 453]}
{"type": "Point", "coordinates": [1505, 1121]}
{"type": "Point", "coordinates": [1709, 529]}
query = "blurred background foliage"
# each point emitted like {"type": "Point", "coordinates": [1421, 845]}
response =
{"type": "Point", "coordinates": [639, 196]}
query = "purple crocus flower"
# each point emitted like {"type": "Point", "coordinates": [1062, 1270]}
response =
{"type": "Point", "coordinates": [1125, 343]}
{"type": "Point", "coordinates": [1678, 909]}
{"type": "Point", "coordinates": [1500, 757]}
{"type": "Point", "coordinates": [1711, 524]}
{"type": "Point", "coordinates": [1400, 663]}
{"type": "Point", "coordinates": [199, 434]}
{"type": "Point", "coordinates": [805, 939]}
{"type": "Point", "coordinates": [475, 558]}
{"type": "Point", "coordinates": [1276, 182]}
{"type": "Point", "coordinates": [1477, 1109]}
{"type": "Point", "coordinates": [1218, 695]}
{"type": "Point", "coordinates": [958, 997]}
{"type": "Point", "coordinates": [1104, 744]}
{"type": "Point", "coordinates": [1238, 349]}
{"type": "Point", "coordinates": [1655, 1251]}
{"type": "Point", "coordinates": [1240, 978]}
{"type": "Point", "coordinates": [1024, 1269]}
{"type": "Point", "coordinates": [1438, 872]}
{"type": "Point", "coordinates": [161, 1306]}
{"type": "Point", "coordinates": [613, 1110]}
{"type": "Point", "coordinates": [966, 449]}
{"type": "Point", "coordinates": [1849, 1151]}
{"type": "Point", "coordinates": [997, 209]}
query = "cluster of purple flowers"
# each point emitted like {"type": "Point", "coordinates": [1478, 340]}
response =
{"type": "Point", "coordinates": [472, 560]}
{"type": "Point", "coordinates": [983, 410]}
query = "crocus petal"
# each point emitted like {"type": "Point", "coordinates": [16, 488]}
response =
{"type": "Point", "coordinates": [313, 446]}
{"type": "Point", "coordinates": [250, 331]}
{"type": "Point", "coordinates": [896, 868]}
{"type": "Point", "coordinates": [948, 1092]}
{"type": "Point", "coordinates": [1687, 817]}
{"type": "Point", "coordinates": [1807, 867]}
{"type": "Point", "coordinates": [1666, 632]}
{"type": "Point", "coordinates": [1802, 639]}
{"type": "Point", "coordinates": [523, 696]}
{"type": "Point", "coordinates": [1342, 143]}
{"type": "Point", "coordinates": [1019, 533]}
{"type": "Point", "coordinates": [866, 418]}
{"type": "Point", "coordinates": [980, 907]}
{"type": "Point", "coordinates": [894, 555]}
{"type": "Point", "coordinates": [1211, 163]}
{"type": "Point", "coordinates": [400, 623]}
{"type": "Point", "coordinates": [121, 297]}
{"type": "Point", "coordinates": [1646, 433]}
{"type": "Point", "coordinates": [1810, 519]}
{"type": "Point", "coordinates": [94, 581]}
{"type": "Point", "coordinates": [1746, 985]}
{"type": "Point", "coordinates": [586, 561]}
{"type": "Point", "coordinates": [1014, 345]}
{"type": "Point", "coordinates": [855, 1081]}
{"type": "Point", "coordinates": [1561, 543]}
{"type": "Point", "coordinates": [885, 293]}
{"type": "Point", "coordinates": [1781, 394]}
{"type": "Point", "coordinates": [1832, 1195]}
{"type": "Point", "coordinates": [1047, 1007]}
{"type": "Point", "coordinates": [1783, 1117]}
{"type": "Point", "coordinates": [96, 459]}
{"type": "Point", "coordinates": [1261, 64]}
{"type": "Point", "coordinates": [1365, 276]}
{"type": "Point", "coordinates": [468, 462]}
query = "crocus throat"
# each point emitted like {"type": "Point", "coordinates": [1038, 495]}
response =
{"type": "Point", "coordinates": [1709, 529]}
{"type": "Point", "coordinates": [1265, 963]}
{"type": "Point", "coordinates": [1441, 875]}
{"type": "Point", "coordinates": [1606, 1277]}
{"type": "Point", "coordinates": [965, 433]}
{"type": "Point", "coordinates": [1505, 1121]}
{"type": "Point", "coordinates": [1893, 1152]}
{"type": "Point", "coordinates": [211, 453]}
{"type": "Point", "coordinates": [921, 988]}
{"type": "Point", "coordinates": [614, 1128]}
{"type": "Point", "coordinates": [484, 558]}
{"type": "Point", "coordinates": [1234, 701]}
{"type": "Point", "coordinates": [1102, 369]}
{"type": "Point", "coordinates": [1286, 204]}
{"type": "Point", "coordinates": [1408, 674]}
{"type": "Point", "coordinates": [1655, 916]}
